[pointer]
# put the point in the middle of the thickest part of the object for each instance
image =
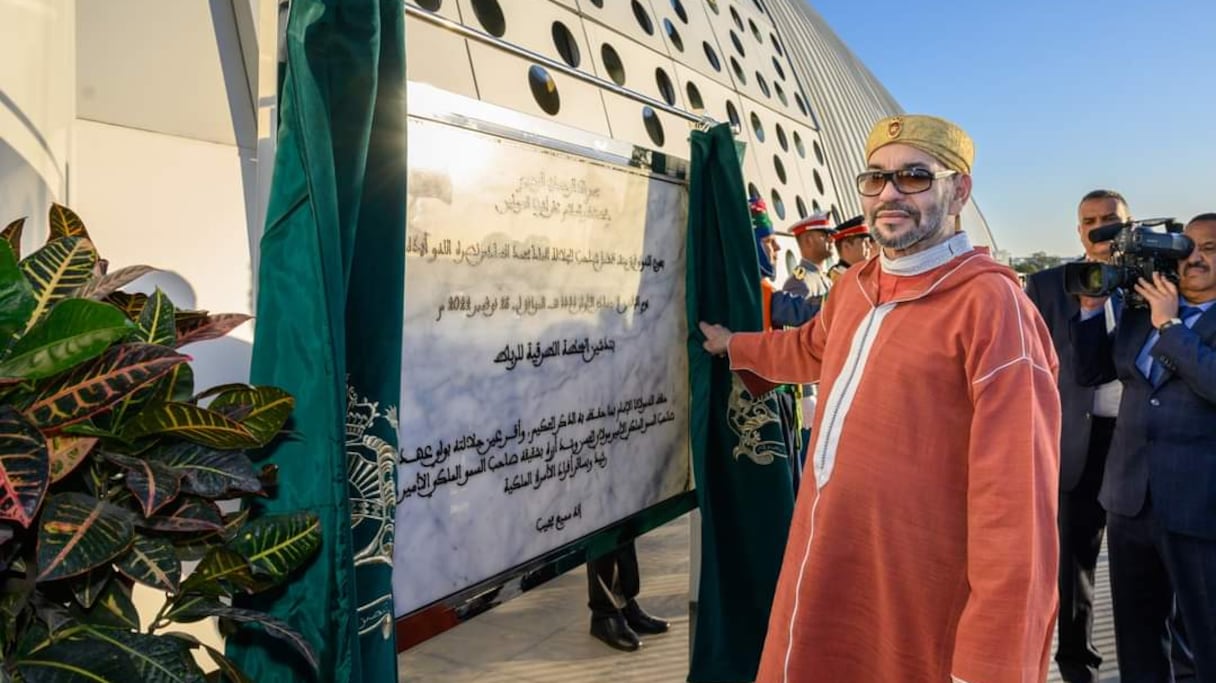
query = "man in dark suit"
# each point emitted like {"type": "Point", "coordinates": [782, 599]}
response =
{"type": "Point", "coordinates": [1160, 484]}
{"type": "Point", "coordinates": [1088, 422]}
{"type": "Point", "coordinates": [613, 585]}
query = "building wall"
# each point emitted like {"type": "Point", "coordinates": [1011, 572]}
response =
{"type": "Point", "coordinates": [802, 100]}
{"type": "Point", "coordinates": [140, 115]}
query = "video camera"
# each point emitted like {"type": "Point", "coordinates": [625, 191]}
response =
{"type": "Point", "coordinates": [1137, 251]}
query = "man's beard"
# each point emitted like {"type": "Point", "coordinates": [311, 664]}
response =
{"type": "Point", "coordinates": [924, 225]}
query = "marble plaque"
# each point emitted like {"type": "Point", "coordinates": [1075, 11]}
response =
{"type": "Point", "coordinates": [544, 373]}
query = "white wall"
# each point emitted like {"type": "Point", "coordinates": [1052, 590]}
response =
{"type": "Point", "coordinates": [37, 106]}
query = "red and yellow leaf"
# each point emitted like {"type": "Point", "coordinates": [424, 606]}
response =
{"type": "Point", "coordinates": [101, 383]}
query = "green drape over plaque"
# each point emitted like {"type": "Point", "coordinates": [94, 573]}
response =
{"type": "Point", "coordinates": [739, 454]}
{"type": "Point", "coordinates": [329, 324]}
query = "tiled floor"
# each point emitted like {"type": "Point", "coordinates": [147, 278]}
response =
{"type": "Point", "coordinates": [541, 637]}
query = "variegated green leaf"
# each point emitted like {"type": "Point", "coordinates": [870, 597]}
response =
{"type": "Point", "coordinates": [221, 571]}
{"type": "Point", "coordinates": [74, 331]}
{"type": "Point", "coordinates": [194, 609]}
{"type": "Point", "coordinates": [228, 672]}
{"type": "Point", "coordinates": [24, 467]}
{"type": "Point", "coordinates": [270, 408]}
{"type": "Point", "coordinates": [156, 320]}
{"type": "Point", "coordinates": [177, 386]}
{"type": "Point", "coordinates": [12, 235]}
{"type": "Point", "coordinates": [157, 660]}
{"type": "Point", "coordinates": [187, 513]}
{"type": "Point", "coordinates": [151, 561]}
{"type": "Point", "coordinates": [131, 305]}
{"type": "Point", "coordinates": [87, 428]}
{"type": "Point", "coordinates": [56, 271]}
{"type": "Point", "coordinates": [278, 544]}
{"type": "Point", "coordinates": [90, 585]}
{"type": "Point", "coordinates": [65, 223]}
{"type": "Point", "coordinates": [209, 327]}
{"type": "Point", "coordinates": [153, 484]}
{"type": "Point", "coordinates": [99, 384]}
{"type": "Point", "coordinates": [194, 547]}
{"type": "Point", "coordinates": [114, 606]}
{"type": "Point", "coordinates": [191, 422]}
{"type": "Point", "coordinates": [78, 532]}
{"type": "Point", "coordinates": [17, 299]}
{"type": "Point", "coordinates": [104, 286]}
{"type": "Point", "coordinates": [76, 660]}
{"type": "Point", "coordinates": [209, 473]}
{"type": "Point", "coordinates": [67, 452]}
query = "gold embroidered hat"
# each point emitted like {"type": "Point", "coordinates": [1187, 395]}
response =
{"type": "Point", "coordinates": [938, 137]}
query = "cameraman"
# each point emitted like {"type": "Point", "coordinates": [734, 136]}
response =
{"type": "Point", "coordinates": [1088, 423]}
{"type": "Point", "coordinates": [1160, 484]}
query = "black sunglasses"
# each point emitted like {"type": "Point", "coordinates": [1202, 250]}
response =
{"type": "Point", "coordinates": [906, 180]}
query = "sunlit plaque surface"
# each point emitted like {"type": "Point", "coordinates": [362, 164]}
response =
{"type": "Point", "coordinates": [544, 371]}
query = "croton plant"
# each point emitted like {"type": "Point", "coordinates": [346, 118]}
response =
{"type": "Point", "coordinates": [112, 465]}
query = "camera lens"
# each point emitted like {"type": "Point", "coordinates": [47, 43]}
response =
{"type": "Point", "coordinates": [1093, 279]}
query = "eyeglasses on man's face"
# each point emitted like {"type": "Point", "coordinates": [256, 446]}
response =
{"type": "Point", "coordinates": [906, 180]}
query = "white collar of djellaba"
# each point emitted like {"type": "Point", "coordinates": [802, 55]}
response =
{"type": "Point", "coordinates": [927, 260]}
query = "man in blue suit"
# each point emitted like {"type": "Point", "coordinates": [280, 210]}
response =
{"type": "Point", "coordinates": [1160, 485]}
{"type": "Point", "coordinates": [1088, 422]}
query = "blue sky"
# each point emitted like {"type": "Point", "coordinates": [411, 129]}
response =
{"type": "Point", "coordinates": [1060, 96]}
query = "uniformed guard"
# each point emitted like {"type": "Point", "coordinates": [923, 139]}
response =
{"type": "Point", "coordinates": [814, 237]}
{"type": "Point", "coordinates": [853, 245]}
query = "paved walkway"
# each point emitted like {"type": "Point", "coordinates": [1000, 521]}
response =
{"type": "Point", "coordinates": [541, 637]}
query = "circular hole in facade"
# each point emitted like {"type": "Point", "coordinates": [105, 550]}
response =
{"type": "Point", "coordinates": [598, 3]}
{"type": "Point", "coordinates": [734, 16]}
{"type": "Point", "coordinates": [738, 69]}
{"type": "Point", "coordinates": [489, 15]}
{"type": "Point", "coordinates": [778, 205]}
{"type": "Point", "coordinates": [776, 44]}
{"type": "Point", "coordinates": [818, 180]}
{"type": "Point", "coordinates": [666, 89]}
{"type": "Point", "coordinates": [694, 97]}
{"type": "Point", "coordinates": [781, 139]}
{"type": "Point", "coordinates": [673, 36]}
{"type": "Point", "coordinates": [612, 63]}
{"type": "Point", "coordinates": [757, 127]}
{"type": "Point", "coordinates": [780, 168]}
{"type": "Point", "coordinates": [643, 18]}
{"type": "Point", "coordinates": [544, 90]}
{"type": "Point", "coordinates": [712, 56]}
{"type": "Point", "coordinates": [798, 145]}
{"type": "Point", "coordinates": [654, 127]}
{"type": "Point", "coordinates": [815, 205]}
{"type": "Point", "coordinates": [817, 150]}
{"type": "Point", "coordinates": [759, 6]}
{"type": "Point", "coordinates": [678, 8]}
{"type": "Point", "coordinates": [566, 44]}
{"type": "Point", "coordinates": [835, 214]}
{"type": "Point", "coordinates": [755, 31]}
{"type": "Point", "coordinates": [734, 40]}
{"type": "Point", "coordinates": [430, 5]}
{"type": "Point", "coordinates": [801, 103]}
{"type": "Point", "coordinates": [763, 84]}
{"type": "Point", "coordinates": [800, 205]}
{"type": "Point", "coordinates": [777, 67]}
{"type": "Point", "coordinates": [733, 115]}
{"type": "Point", "coordinates": [713, 5]}
{"type": "Point", "coordinates": [753, 192]}
{"type": "Point", "coordinates": [781, 93]}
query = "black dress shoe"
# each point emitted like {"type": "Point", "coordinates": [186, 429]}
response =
{"type": "Point", "coordinates": [615, 632]}
{"type": "Point", "coordinates": [642, 622]}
